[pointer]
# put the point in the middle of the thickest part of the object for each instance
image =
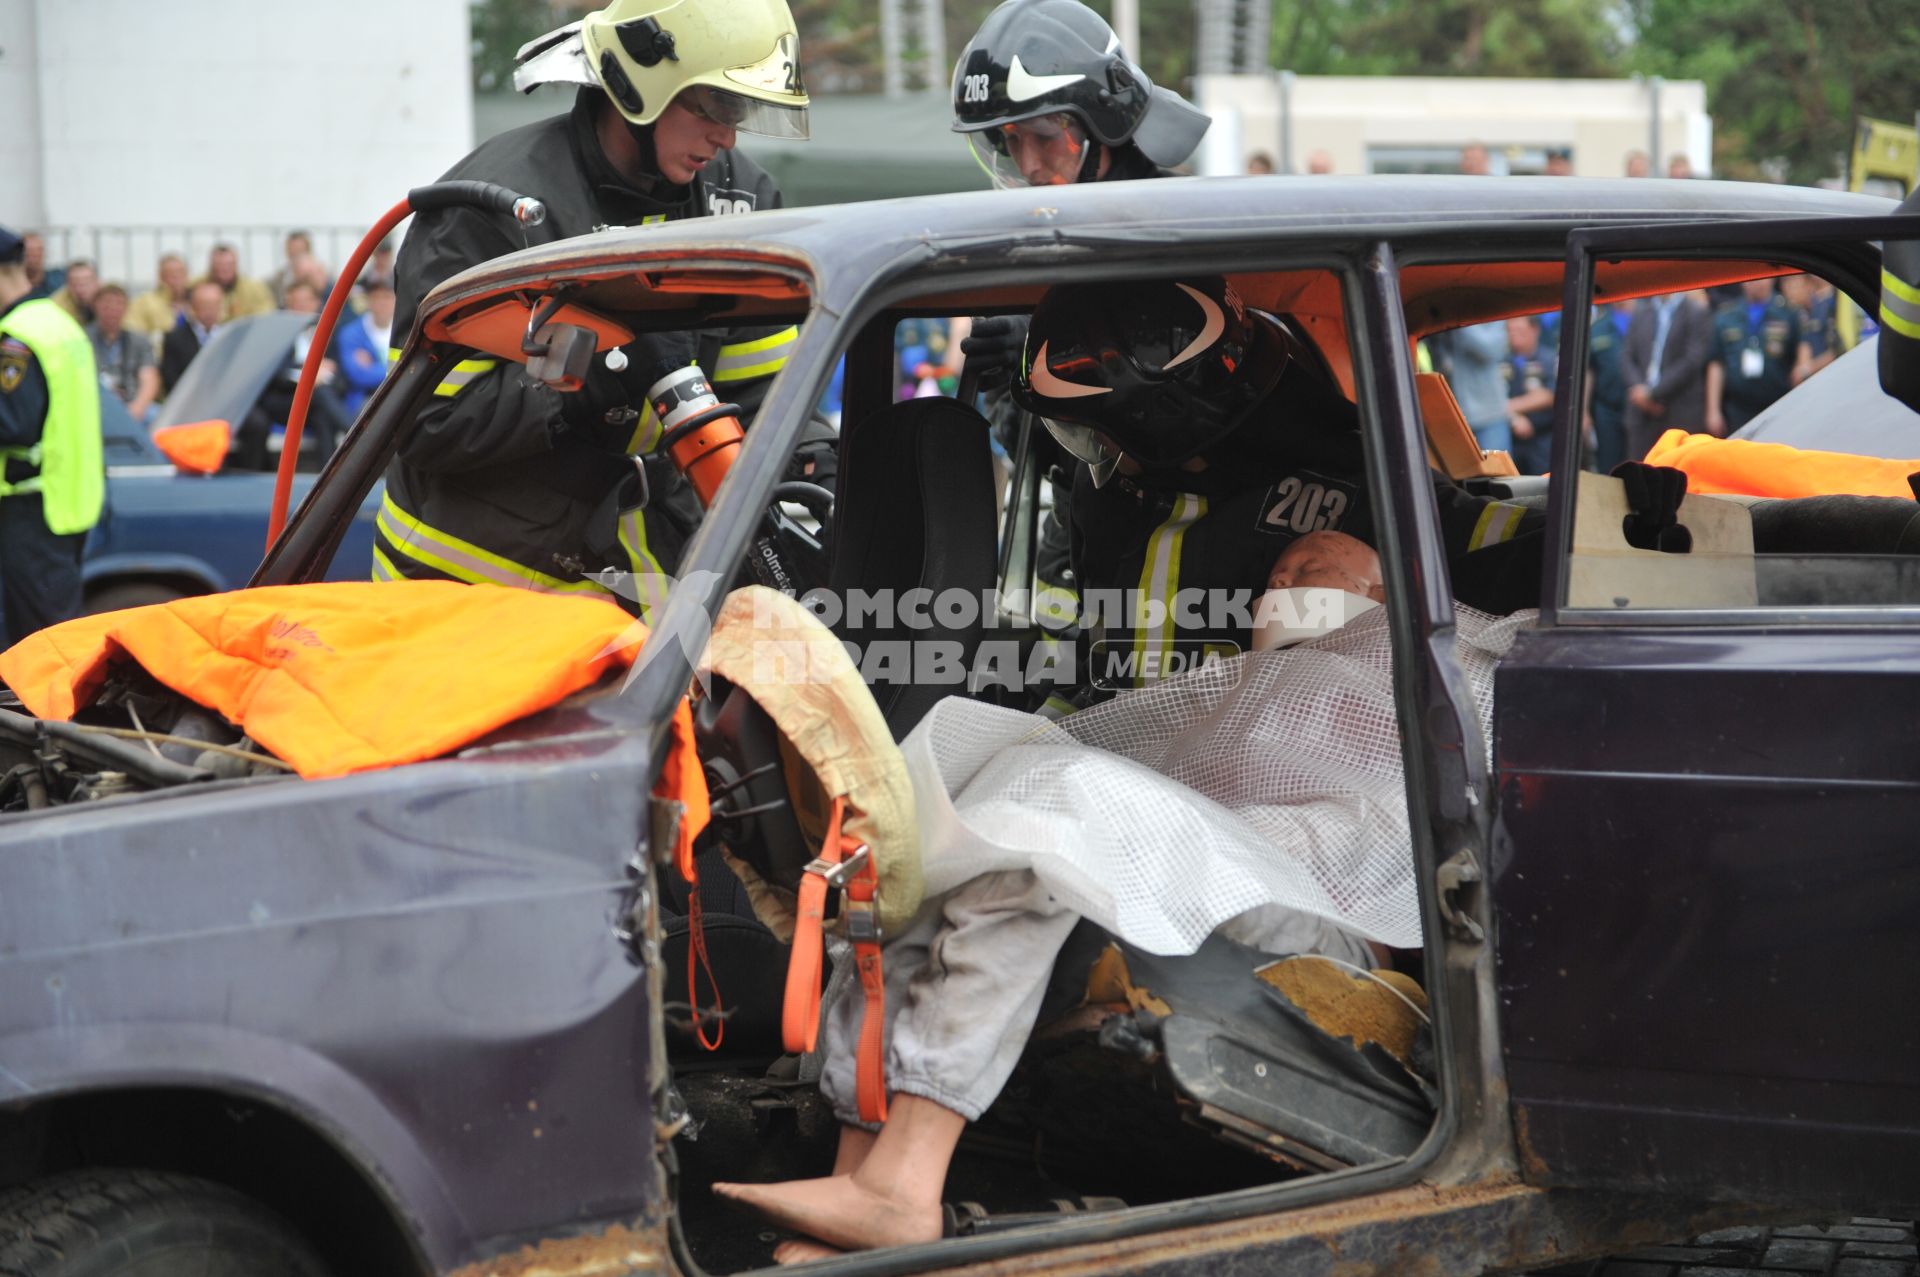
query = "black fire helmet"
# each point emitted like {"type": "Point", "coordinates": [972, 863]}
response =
{"type": "Point", "coordinates": [1160, 370]}
{"type": "Point", "coordinates": [1032, 58]}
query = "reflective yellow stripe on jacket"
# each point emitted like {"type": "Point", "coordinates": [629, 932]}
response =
{"type": "Point", "coordinates": [1498, 522]}
{"type": "Point", "coordinates": [649, 579]}
{"type": "Point", "coordinates": [1899, 305]}
{"type": "Point", "coordinates": [462, 560]}
{"type": "Point", "coordinates": [1160, 580]}
{"type": "Point", "coordinates": [746, 360]}
{"type": "Point", "coordinates": [464, 373]}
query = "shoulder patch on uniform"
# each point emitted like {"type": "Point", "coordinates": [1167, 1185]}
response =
{"type": "Point", "coordinates": [14, 358]}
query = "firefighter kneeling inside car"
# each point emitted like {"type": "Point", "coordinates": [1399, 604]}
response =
{"type": "Point", "coordinates": [1207, 439]}
{"type": "Point", "coordinates": [504, 480]}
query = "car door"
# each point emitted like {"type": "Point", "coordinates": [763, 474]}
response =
{"type": "Point", "coordinates": [1706, 854]}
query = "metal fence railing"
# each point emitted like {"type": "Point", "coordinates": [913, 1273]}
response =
{"type": "Point", "coordinates": [128, 255]}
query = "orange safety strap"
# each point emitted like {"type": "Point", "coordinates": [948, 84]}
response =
{"type": "Point", "coordinates": [863, 928]}
{"type": "Point", "coordinates": [845, 863]}
{"type": "Point", "coordinates": [697, 960]}
{"type": "Point", "coordinates": [682, 781]}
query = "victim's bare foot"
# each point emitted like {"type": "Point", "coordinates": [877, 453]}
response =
{"type": "Point", "coordinates": [891, 1198]}
{"type": "Point", "coordinates": [800, 1250]}
{"type": "Point", "coordinates": [840, 1210]}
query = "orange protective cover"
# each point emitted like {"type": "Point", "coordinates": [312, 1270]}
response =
{"type": "Point", "coordinates": [198, 448]}
{"type": "Point", "coordinates": [1744, 467]}
{"type": "Point", "coordinates": [342, 677]}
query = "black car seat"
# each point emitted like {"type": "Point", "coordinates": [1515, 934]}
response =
{"type": "Point", "coordinates": [916, 511]}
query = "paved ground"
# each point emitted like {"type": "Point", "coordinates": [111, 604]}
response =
{"type": "Point", "coordinates": [1858, 1248]}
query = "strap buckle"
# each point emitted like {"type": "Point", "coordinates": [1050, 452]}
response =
{"type": "Point", "coordinates": [836, 872]}
{"type": "Point", "coordinates": [862, 919]}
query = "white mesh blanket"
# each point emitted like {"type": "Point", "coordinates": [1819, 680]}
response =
{"type": "Point", "coordinates": [1273, 778]}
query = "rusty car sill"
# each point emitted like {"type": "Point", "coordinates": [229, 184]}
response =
{"type": "Point", "coordinates": [615, 1250]}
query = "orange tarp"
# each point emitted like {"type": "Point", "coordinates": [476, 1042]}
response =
{"type": "Point", "coordinates": [348, 676]}
{"type": "Point", "coordinates": [1746, 468]}
{"type": "Point", "coordinates": [200, 448]}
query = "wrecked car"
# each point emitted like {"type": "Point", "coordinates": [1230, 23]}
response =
{"type": "Point", "coordinates": [433, 1018]}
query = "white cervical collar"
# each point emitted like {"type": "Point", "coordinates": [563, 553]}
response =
{"type": "Point", "coordinates": [1286, 617]}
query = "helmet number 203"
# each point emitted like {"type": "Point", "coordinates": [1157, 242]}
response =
{"type": "Point", "coordinates": [976, 89]}
{"type": "Point", "coordinates": [1301, 506]}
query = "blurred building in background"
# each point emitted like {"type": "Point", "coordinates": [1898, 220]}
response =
{"type": "Point", "coordinates": [134, 127]}
{"type": "Point", "coordinates": [1417, 124]}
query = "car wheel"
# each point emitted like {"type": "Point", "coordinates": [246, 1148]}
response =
{"type": "Point", "coordinates": [125, 594]}
{"type": "Point", "coordinates": [121, 1223]}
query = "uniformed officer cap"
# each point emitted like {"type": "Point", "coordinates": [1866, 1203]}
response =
{"type": "Point", "coordinates": [12, 247]}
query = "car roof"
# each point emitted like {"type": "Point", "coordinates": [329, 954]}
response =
{"type": "Point", "coordinates": [1000, 249]}
{"type": "Point", "coordinates": [844, 247]}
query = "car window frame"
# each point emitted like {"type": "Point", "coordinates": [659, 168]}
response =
{"type": "Point", "coordinates": [1365, 269]}
{"type": "Point", "coordinates": [1827, 246]}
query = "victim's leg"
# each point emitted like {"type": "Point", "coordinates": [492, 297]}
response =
{"type": "Point", "coordinates": [955, 1033]}
{"type": "Point", "coordinates": [893, 1199]}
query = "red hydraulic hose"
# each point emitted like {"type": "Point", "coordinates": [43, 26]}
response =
{"type": "Point", "coordinates": [316, 354]}
{"type": "Point", "coordinates": [421, 199]}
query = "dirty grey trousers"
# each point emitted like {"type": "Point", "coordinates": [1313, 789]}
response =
{"type": "Point", "coordinates": [966, 978]}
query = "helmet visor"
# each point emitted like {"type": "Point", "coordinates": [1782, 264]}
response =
{"type": "Point", "coordinates": [748, 115]}
{"type": "Point", "coordinates": [1048, 150]}
{"type": "Point", "coordinates": [1084, 443]}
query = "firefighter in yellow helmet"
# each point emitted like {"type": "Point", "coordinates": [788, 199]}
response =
{"type": "Point", "coordinates": [504, 480]}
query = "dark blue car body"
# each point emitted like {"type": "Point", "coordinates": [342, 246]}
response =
{"type": "Point", "coordinates": [166, 533]}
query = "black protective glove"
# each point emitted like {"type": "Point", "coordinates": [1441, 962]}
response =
{"type": "Point", "coordinates": [817, 457]}
{"type": "Point", "coordinates": [994, 346]}
{"type": "Point", "coordinates": [1654, 494]}
{"type": "Point", "coordinates": [648, 359]}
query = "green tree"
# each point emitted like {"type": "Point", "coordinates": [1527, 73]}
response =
{"type": "Point", "coordinates": [1555, 38]}
{"type": "Point", "coordinates": [1785, 78]}
{"type": "Point", "coordinates": [500, 27]}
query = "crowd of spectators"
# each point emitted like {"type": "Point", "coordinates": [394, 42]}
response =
{"type": "Point", "coordinates": [1681, 361]}
{"type": "Point", "coordinates": [144, 342]}
{"type": "Point", "coordinates": [1686, 360]}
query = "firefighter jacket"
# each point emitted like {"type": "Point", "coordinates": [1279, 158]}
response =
{"type": "Point", "coordinates": [505, 480]}
{"type": "Point", "coordinates": [1170, 566]}
{"type": "Point", "coordinates": [1900, 313]}
{"type": "Point", "coordinates": [1056, 599]}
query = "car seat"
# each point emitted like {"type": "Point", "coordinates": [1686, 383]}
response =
{"type": "Point", "coordinates": [916, 511]}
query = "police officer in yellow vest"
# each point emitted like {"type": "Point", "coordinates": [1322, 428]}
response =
{"type": "Point", "coordinates": [53, 483]}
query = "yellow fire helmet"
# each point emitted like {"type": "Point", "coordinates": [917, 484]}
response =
{"type": "Point", "coordinates": [734, 61]}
